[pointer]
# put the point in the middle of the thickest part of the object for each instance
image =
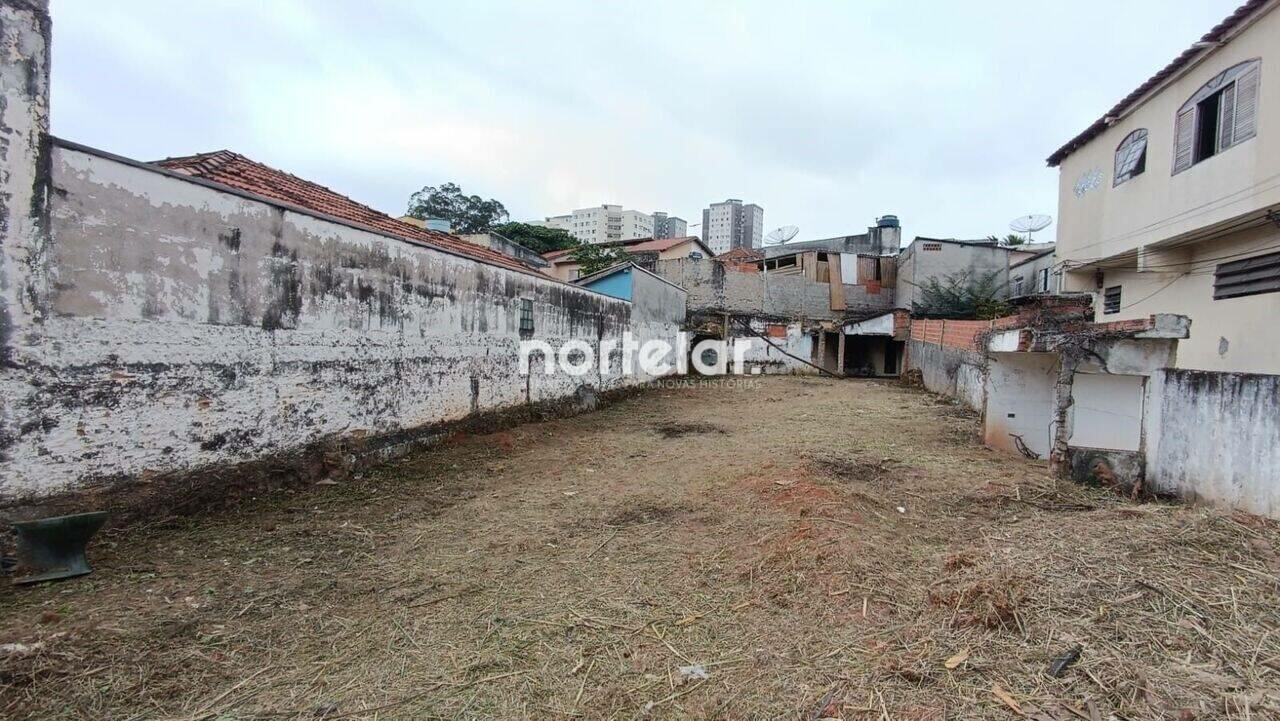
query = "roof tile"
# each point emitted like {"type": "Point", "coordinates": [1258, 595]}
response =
{"type": "Point", "coordinates": [237, 171]}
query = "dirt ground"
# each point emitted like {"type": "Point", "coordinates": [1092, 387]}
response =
{"type": "Point", "coordinates": [800, 549]}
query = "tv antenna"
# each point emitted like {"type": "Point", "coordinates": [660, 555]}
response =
{"type": "Point", "coordinates": [1029, 224]}
{"type": "Point", "coordinates": [779, 236]}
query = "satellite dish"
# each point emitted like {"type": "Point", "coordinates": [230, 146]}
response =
{"type": "Point", "coordinates": [1029, 224]}
{"type": "Point", "coordinates": [778, 236]}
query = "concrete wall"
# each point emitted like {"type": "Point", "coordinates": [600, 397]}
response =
{"type": "Point", "coordinates": [187, 327]}
{"type": "Point", "coordinates": [24, 167]}
{"type": "Point", "coordinates": [1107, 411]}
{"type": "Point", "coordinates": [952, 372]}
{"type": "Point", "coordinates": [1020, 400]}
{"type": "Point", "coordinates": [1219, 438]}
{"type": "Point", "coordinates": [712, 287]}
{"type": "Point", "coordinates": [770, 359]}
{"type": "Point", "coordinates": [917, 265]}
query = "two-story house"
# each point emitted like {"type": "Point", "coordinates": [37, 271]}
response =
{"type": "Point", "coordinates": [1168, 203]}
{"type": "Point", "coordinates": [1169, 211]}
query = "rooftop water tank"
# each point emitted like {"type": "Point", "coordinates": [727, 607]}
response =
{"type": "Point", "coordinates": [887, 221]}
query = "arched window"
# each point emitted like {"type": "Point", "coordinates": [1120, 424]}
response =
{"type": "Point", "coordinates": [1131, 156]}
{"type": "Point", "coordinates": [1222, 113]}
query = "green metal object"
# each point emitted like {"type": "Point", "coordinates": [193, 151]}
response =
{"type": "Point", "coordinates": [53, 548]}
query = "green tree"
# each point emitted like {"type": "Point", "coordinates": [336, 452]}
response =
{"type": "Point", "coordinates": [466, 213]}
{"type": "Point", "coordinates": [1010, 239]}
{"type": "Point", "coordinates": [962, 295]}
{"type": "Point", "coordinates": [536, 237]}
{"type": "Point", "coordinates": [593, 257]}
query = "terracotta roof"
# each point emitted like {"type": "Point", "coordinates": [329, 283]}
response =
{"type": "Point", "coordinates": [740, 254]}
{"type": "Point", "coordinates": [635, 245]}
{"type": "Point", "coordinates": [1213, 36]}
{"type": "Point", "coordinates": [237, 171]}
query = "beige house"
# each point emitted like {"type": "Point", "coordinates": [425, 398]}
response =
{"type": "Point", "coordinates": [1169, 214]}
{"type": "Point", "coordinates": [644, 252]}
{"type": "Point", "coordinates": [1168, 203]}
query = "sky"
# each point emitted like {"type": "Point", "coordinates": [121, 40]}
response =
{"type": "Point", "coordinates": [826, 114]}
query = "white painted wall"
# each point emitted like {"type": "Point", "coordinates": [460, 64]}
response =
{"type": "Point", "coordinates": [1020, 400]}
{"type": "Point", "coordinates": [1106, 411]}
{"type": "Point", "coordinates": [1219, 438]}
{"type": "Point", "coordinates": [190, 327]}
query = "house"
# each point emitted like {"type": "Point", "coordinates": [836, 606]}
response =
{"type": "Point", "coordinates": [1033, 273]}
{"type": "Point", "coordinates": [937, 259]}
{"type": "Point", "coordinates": [883, 238]}
{"type": "Point", "coordinates": [1169, 218]}
{"type": "Point", "coordinates": [643, 251]}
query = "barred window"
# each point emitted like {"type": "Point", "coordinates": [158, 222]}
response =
{"type": "Point", "coordinates": [526, 318]}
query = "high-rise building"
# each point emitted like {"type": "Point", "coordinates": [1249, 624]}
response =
{"type": "Point", "coordinates": [669, 226]}
{"type": "Point", "coordinates": [602, 224]}
{"type": "Point", "coordinates": [731, 225]}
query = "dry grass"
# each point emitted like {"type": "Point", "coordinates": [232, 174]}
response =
{"type": "Point", "coordinates": [844, 550]}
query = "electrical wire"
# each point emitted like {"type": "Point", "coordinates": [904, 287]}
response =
{"type": "Point", "coordinates": [1219, 232]}
{"type": "Point", "coordinates": [1176, 217]}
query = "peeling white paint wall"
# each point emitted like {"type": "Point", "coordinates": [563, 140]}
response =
{"type": "Point", "coordinates": [190, 327]}
{"type": "Point", "coordinates": [1219, 438]}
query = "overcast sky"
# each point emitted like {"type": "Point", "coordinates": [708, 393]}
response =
{"type": "Point", "coordinates": [827, 114]}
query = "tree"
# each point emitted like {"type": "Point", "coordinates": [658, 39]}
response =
{"type": "Point", "coordinates": [1010, 239]}
{"type": "Point", "coordinates": [594, 257]}
{"type": "Point", "coordinates": [961, 295]}
{"type": "Point", "coordinates": [536, 237]}
{"type": "Point", "coordinates": [466, 213]}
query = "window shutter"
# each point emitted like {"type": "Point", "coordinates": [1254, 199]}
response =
{"type": "Point", "coordinates": [1227, 117]}
{"type": "Point", "coordinates": [1184, 137]}
{"type": "Point", "coordinates": [1246, 106]}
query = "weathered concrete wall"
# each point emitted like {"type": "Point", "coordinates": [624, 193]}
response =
{"type": "Point", "coordinates": [713, 288]}
{"type": "Point", "coordinates": [950, 371]}
{"type": "Point", "coordinates": [1020, 401]}
{"type": "Point", "coordinates": [916, 266]}
{"type": "Point", "coordinates": [1106, 411]}
{"type": "Point", "coordinates": [190, 328]}
{"type": "Point", "coordinates": [24, 167]}
{"type": "Point", "coordinates": [1219, 438]}
{"type": "Point", "coordinates": [657, 311]}
{"type": "Point", "coordinates": [769, 357]}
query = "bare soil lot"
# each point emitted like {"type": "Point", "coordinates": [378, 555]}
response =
{"type": "Point", "coordinates": [802, 549]}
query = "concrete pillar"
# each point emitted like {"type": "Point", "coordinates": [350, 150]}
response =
{"type": "Point", "coordinates": [24, 167]}
{"type": "Point", "coordinates": [839, 369]}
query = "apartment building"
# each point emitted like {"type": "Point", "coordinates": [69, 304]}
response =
{"type": "Point", "coordinates": [602, 224]}
{"type": "Point", "coordinates": [669, 226]}
{"type": "Point", "coordinates": [732, 224]}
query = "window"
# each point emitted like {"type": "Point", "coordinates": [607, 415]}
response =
{"type": "Point", "coordinates": [1017, 286]}
{"type": "Point", "coordinates": [1251, 276]}
{"type": "Point", "coordinates": [1131, 156]}
{"type": "Point", "coordinates": [931, 246]}
{"type": "Point", "coordinates": [526, 318]}
{"type": "Point", "coordinates": [1221, 114]}
{"type": "Point", "coordinates": [1042, 284]}
{"type": "Point", "coordinates": [1111, 300]}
